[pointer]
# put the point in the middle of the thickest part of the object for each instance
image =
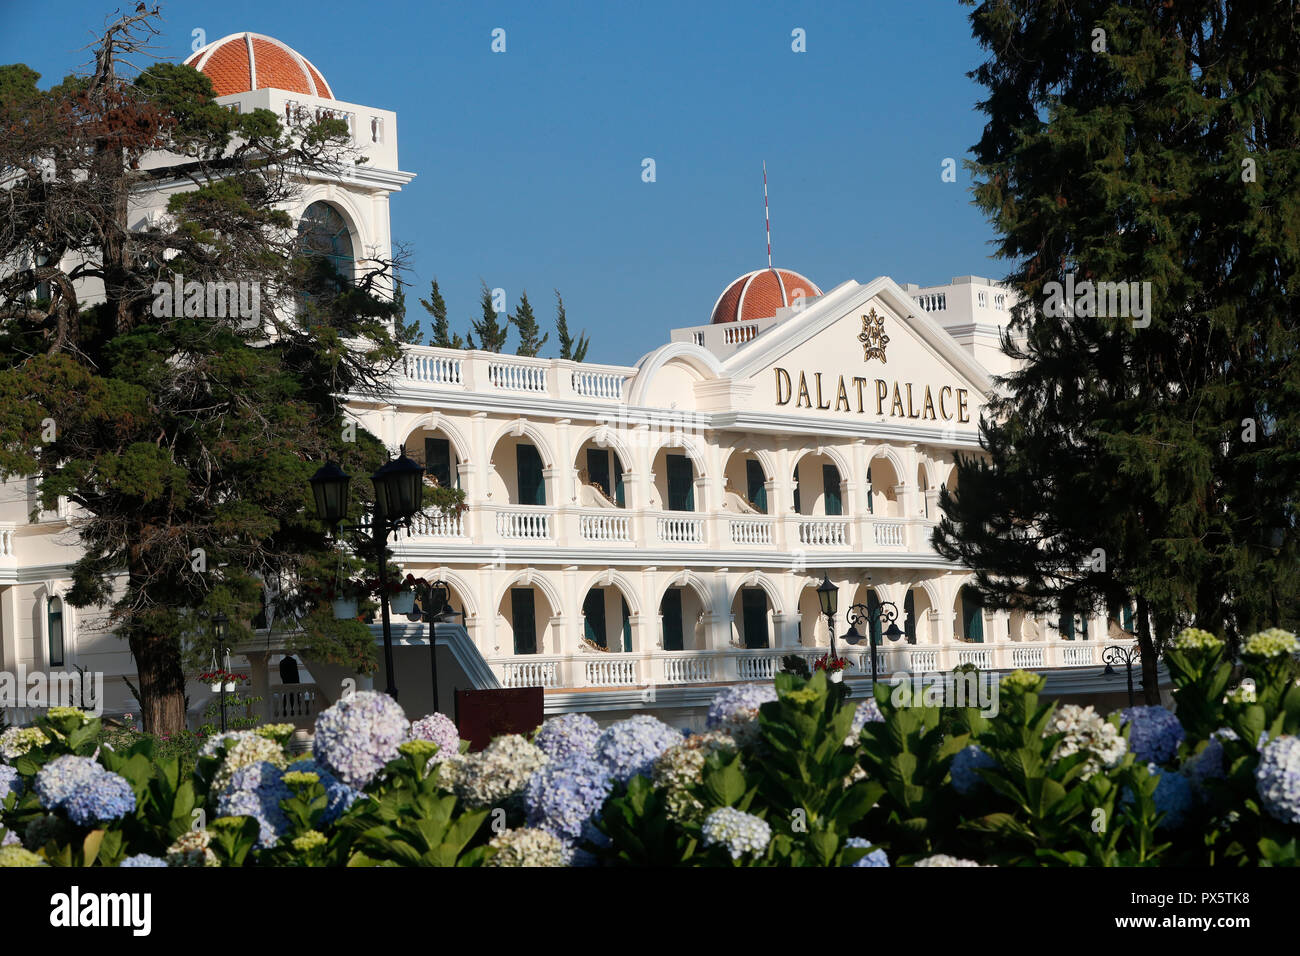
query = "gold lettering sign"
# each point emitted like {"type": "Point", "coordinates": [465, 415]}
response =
{"type": "Point", "coordinates": [902, 399]}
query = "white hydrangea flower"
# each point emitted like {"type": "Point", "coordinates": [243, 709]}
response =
{"type": "Point", "coordinates": [1088, 732]}
{"type": "Point", "coordinates": [943, 859]}
{"type": "Point", "coordinates": [738, 832]}
{"type": "Point", "coordinates": [497, 773]}
{"type": "Point", "coordinates": [528, 846]}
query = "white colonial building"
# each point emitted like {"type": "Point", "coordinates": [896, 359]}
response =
{"type": "Point", "coordinates": [636, 535]}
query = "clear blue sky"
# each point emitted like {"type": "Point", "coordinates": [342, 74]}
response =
{"type": "Point", "coordinates": [529, 162]}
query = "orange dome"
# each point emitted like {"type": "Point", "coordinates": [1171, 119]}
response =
{"type": "Point", "coordinates": [249, 61]}
{"type": "Point", "coordinates": [758, 294]}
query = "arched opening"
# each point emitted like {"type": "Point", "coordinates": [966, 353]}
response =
{"type": "Point", "coordinates": [675, 478]}
{"type": "Point", "coordinates": [818, 486]}
{"type": "Point", "coordinates": [969, 616]}
{"type": "Point", "coordinates": [922, 487]}
{"type": "Point", "coordinates": [882, 480]}
{"type": "Point", "coordinates": [324, 238]}
{"type": "Point", "coordinates": [813, 629]}
{"type": "Point", "coordinates": [607, 623]}
{"type": "Point", "coordinates": [600, 477]}
{"type": "Point", "coordinates": [1071, 624]}
{"type": "Point", "coordinates": [681, 616]}
{"type": "Point", "coordinates": [744, 484]}
{"type": "Point", "coordinates": [434, 449]}
{"type": "Point", "coordinates": [54, 631]}
{"type": "Point", "coordinates": [751, 616]}
{"type": "Point", "coordinates": [917, 610]}
{"type": "Point", "coordinates": [527, 613]}
{"type": "Point", "coordinates": [519, 472]}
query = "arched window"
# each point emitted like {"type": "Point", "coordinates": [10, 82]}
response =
{"type": "Point", "coordinates": [323, 234]}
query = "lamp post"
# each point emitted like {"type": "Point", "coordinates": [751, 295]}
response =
{"type": "Point", "coordinates": [829, 597]}
{"type": "Point", "coordinates": [434, 599]}
{"type": "Point", "coordinates": [1128, 656]}
{"type": "Point", "coordinates": [219, 622]}
{"type": "Point", "coordinates": [399, 491]}
{"type": "Point", "coordinates": [862, 614]}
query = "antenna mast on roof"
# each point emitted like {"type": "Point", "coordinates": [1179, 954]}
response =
{"type": "Point", "coordinates": [767, 219]}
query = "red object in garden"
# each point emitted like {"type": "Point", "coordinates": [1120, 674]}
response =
{"type": "Point", "coordinates": [484, 714]}
{"type": "Point", "coordinates": [831, 664]}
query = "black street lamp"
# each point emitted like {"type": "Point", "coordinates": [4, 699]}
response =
{"type": "Point", "coordinates": [1128, 656]}
{"type": "Point", "coordinates": [862, 614]}
{"type": "Point", "coordinates": [829, 597]}
{"type": "Point", "coordinates": [434, 603]}
{"type": "Point", "coordinates": [399, 490]}
{"type": "Point", "coordinates": [219, 622]}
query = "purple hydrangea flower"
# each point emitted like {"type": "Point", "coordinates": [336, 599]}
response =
{"type": "Point", "coordinates": [84, 790]}
{"type": "Point", "coordinates": [630, 747]}
{"type": "Point", "coordinates": [358, 735]}
{"type": "Point", "coordinates": [10, 782]}
{"type": "Point", "coordinates": [339, 796]}
{"type": "Point", "coordinates": [965, 779]}
{"type": "Point", "coordinates": [1277, 778]}
{"type": "Point", "coordinates": [1173, 796]}
{"type": "Point", "coordinates": [875, 858]}
{"type": "Point", "coordinates": [10, 839]}
{"type": "Point", "coordinates": [732, 701]}
{"type": "Point", "coordinates": [1154, 733]}
{"type": "Point", "coordinates": [565, 795]}
{"type": "Point", "coordinates": [1210, 763]}
{"type": "Point", "coordinates": [567, 736]}
{"type": "Point", "coordinates": [442, 731]}
{"type": "Point", "coordinates": [256, 791]}
{"type": "Point", "coordinates": [143, 859]}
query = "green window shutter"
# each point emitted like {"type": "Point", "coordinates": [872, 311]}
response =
{"type": "Point", "coordinates": [754, 607]}
{"type": "Point", "coordinates": [831, 484]}
{"type": "Point", "coordinates": [598, 469]}
{"type": "Point", "coordinates": [1126, 619]}
{"type": "Point", "coordinates": [593, 610]}
{"type": "Point", "coordinates": [1066, 624]}
{"type": "Point", "coordinates": [532, 484]}
{"type": "Point", "coordinates": [671, 610]}
{"type": "Point", "coordinates": [909, 610]}
{"type": "Point", "coordinates": [871, 508]}
{"type": "Point", "coordinates": [627, 629]}
{"type": "Point", "coordinates": [54, 623]}
{"type": "Point", "coordinates": [873, 613]}
{"type": "Point", "coordinates": [795, 479]}
{"type": "Point", "coordinates": [681, 483]}
{"type": "Point", "coordinates": [524, 620]}
{"type": "Point", "coordinates": [757, 486]}
{"type": "Point", "coordinates": [437, 460]}
{"type": "Point", "coordinates": [972, 613]}
{"type": "Point", "coordinates": [620, 496]}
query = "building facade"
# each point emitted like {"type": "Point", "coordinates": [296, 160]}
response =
{"type": "Point", "coordinates": [636, 535]}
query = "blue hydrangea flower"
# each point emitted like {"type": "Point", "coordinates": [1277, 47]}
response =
{"type": "Point", "coordinates": [1154, 733]}
{"type": "Point", "coordinates": [867, 711]}
{"type": "Point", "coordinates": [143, 859]}
{"type": "Point", "coordinates": [875, 858]}
{"type": "Point", "coordinates": [564, 795]}
{"type": "Point", "coordinates": [84, 790]}
{"type": "Point", "coordinates": [10, 839]}
{"type": "Point", "coordinates": [1277, 778]}
{"type": "Point", "coordinates": [738, 832]}
{"type": "Point", "coordinates": [567, 736]}
{"type": "Point", "coordinates": [1173, 797]}
{"type": "Point", "coordinates": [965, 779]}
{"type": "Point", "coordinates": [442, 731]}
{"type": "Point", "coordinates": [739, 698]}
{"type": "Point", "coordinates": [10, 782]}
{"type": "Point", "coordinates": [1210, 763]}
{"type": "Point", "coordinates": [256, 791]}
{"type": "Point", "coordinates": [356, 736]}
{"type": "Point", "coordinates": [339, 795]}
{"type": "Point", "coordinates": [631, 746]}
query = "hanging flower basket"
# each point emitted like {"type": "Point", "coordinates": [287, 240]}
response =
{"type": "Point", "coordinates": [833, 666]}
{"type": "Point", "coordinates": [345, 608]}
{"type": "Point", "coordinates": [835, 677]}
{"type": "Point", "coordinates": [403, 602]}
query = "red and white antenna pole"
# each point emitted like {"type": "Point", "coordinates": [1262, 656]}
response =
{"type": "Point", "coordinates": [767, 219]}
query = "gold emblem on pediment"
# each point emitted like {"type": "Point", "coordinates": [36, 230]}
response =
{"type": "Point", "coordinates": [873, 337]}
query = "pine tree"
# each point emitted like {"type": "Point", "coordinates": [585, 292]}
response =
{"type": "Point", "coordinates": [1132, 461]}
{"type": "Point", "coordinates": [526, 323]}
{"type": "Point", "coordinates": [441, 336]}
{"type": "Point", "coordinates": [491, 333]}
{"type": "Point", "coordinates": [569, 349]}
{"type": "Point", "coordinates": [408, 333]}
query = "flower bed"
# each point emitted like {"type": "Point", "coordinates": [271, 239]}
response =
{"type": "Point", "coordinates": [786, 775]}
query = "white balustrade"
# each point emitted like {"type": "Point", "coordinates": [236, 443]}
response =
{"type": "Point", "coordinates": [598, 384]}
{"type": "Point", "coordinates": [438, 526]}
{"type": "Point", "coordinates": [1076, 655]}
{"type": "Point", "coordinates": [688, 670]}
{"type": "Point", "coordinates": [739, 332]}
{"type": "Point", "coordinates": [529, 525]}
{"type": "Point", "coordinates": [290, 702]}
{"type": "Point", "coordinates": [530, 673]}
{"type": "Point", "coordinates": [610, 671]}
{"type": "Point", "coordinates": [517, 377]}
{"type": "Point", "coordinates": [981, 657]}
{"type": "Point", "coordinates": [824, 533]}
{"type": "Point", "coordinates": [921, 661]}
{"type": "Point", "coordinates": [604, 527]}
{"type": "Point", "coordinates": [434, 369]}
{"type": "Point", "coordinates": [1027, 657]}
{"type": "Point", "coordinates": [680, 530]}
{"type": "Point", "coordinates": [751, 532]}
{"type": "Point", "coordinates": [756, 667]}
{"type": "Point", "coordinates": [888, 533]}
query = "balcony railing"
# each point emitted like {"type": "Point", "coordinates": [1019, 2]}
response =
{"type": "Point", "coordinates": [296, 703]}
{"type": "Point", "coordinates": [438, 526]}
{"type": "Point", "coordinates": [889, 532]}
{"type": "Point", "coordinates": [751, 531]}
{"type": "Point", "coordinates": [526, 525]}
{"type": "Point", "coordinates": [600, 525]}
{"type": "Point", "coordinates": [517, 377]}
{"type": "Point", "coordinates": [683, 529]}
{"type": "Point", "coordinates": [824, 533]}
{"type": "Point", "coordinates": [471, 370]}
{"type": "Point", "coordinates": [433, 369]}
{"type": "Point", "coordinates": [599, 384]}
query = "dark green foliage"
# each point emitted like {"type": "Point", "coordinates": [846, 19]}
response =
{"type": "Point", "coordinates": [570, 348]}
{"type": "Point", "coordinates": [526, 324]}
{"type": "Point", "coordinates": [491, 333]}
{"type": "Point", "coordinates": [441, 335]}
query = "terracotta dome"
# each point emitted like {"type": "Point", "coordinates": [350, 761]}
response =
{"type": "Point", "coordinates": [250, 61]}
{"type": "Point", "coordinates": [758, 294]}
